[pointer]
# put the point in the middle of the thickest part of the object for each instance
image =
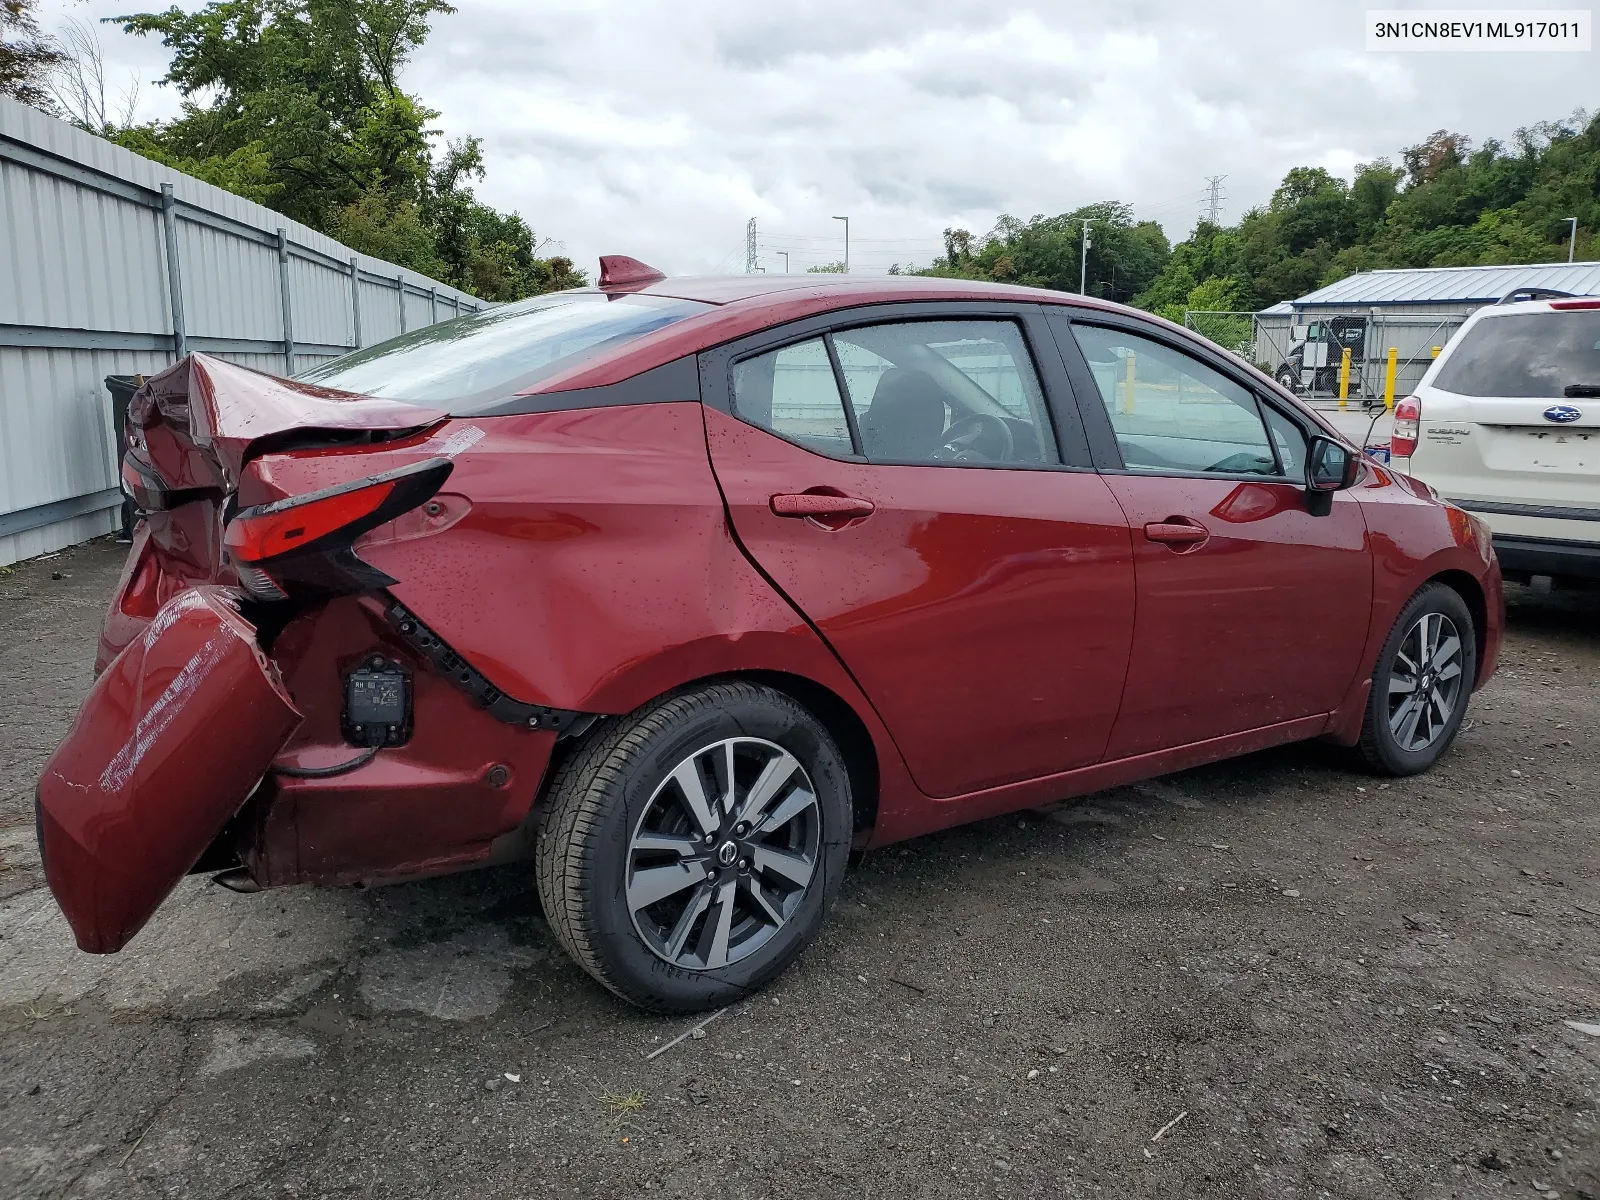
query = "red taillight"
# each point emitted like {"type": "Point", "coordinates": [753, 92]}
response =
{"type": "Point", "coordinates": [331, 519]}
{"type": "Point", "coordinates": [1407, 418]}
{"type": "Point", "coordinates": [253, 539]}
{"type": "Point", "coordinates": [1565, 304]}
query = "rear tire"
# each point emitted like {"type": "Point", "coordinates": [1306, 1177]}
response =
{"type": "Point", "coordinates": [1421, 684]}
{"type": "Point", "coordinates": [659, 888]}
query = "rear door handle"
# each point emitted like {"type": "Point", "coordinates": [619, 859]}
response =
{"type": "Point", "coordinates": [1176, 531]}
{"type": "Point", "coordinates": [818, 505]}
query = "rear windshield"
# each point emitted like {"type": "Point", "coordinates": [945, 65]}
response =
{"type": "Point", "coordinates": [467, 364]}
{"type": "Point", "coordinates": [1526, 354]}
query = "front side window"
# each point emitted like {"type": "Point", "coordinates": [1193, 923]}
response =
{"type": "Point", "coordinates": [467, 364]}
{"type": "Point", "coordinates": [1172, 413]}
{"type": "Point", "coordinates": [1535, 355]}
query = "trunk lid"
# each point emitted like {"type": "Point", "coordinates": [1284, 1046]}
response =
{"type": "Point", "coordinates": [192, 432]}
{"type": "Point", "coordinates": [192, 428]}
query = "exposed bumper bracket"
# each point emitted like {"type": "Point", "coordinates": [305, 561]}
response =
{"type": "Point", "coordinates": [453, 667]}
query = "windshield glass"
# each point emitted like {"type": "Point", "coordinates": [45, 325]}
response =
{"type": "Point", "coordinates": [1535, 354]}
{"type": "Point", "coordinates": [469, 363]}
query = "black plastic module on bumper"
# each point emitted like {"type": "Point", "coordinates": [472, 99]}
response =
{"type": "Point", "coordinates": [461, 673]}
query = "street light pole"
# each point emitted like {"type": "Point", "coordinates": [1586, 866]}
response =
{"type": "Point", "coordinates": [785, 254]}
{"type": "Point", "coordinates": [846, 221]}
{"type": "Point", "coordinates": [1572, 246]}
{"type": "Point", "coordinates": [1083, 260]}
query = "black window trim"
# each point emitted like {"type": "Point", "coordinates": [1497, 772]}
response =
{"type": "Point", "coordinates": [1060, 409]}
{"type": "Point", "coordinates": [1097, 421]}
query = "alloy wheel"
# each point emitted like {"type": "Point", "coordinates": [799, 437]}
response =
{"type": "Point", "coordinates": [1425, 682]}
{"type": "Point", "coordinates": [723, 853]}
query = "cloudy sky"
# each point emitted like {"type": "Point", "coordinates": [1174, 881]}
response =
{"type": "Point", "coordinates": [658, 129]}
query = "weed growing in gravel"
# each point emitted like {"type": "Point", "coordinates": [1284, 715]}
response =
{"type": "Point", "coordinates": [619, 1106]}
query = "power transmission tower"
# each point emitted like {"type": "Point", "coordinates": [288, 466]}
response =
{"type": "Point", "coordinates": [750, 246]}
{"type": "Point", "coordinates": [1212, 204]}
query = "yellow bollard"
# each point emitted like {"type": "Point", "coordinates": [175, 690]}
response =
{"type": "Point", "coordinates": [1344, 377]}
{"type": "Point", "coordinates": [1388, 378]}
{"type": "Point", "coordinates": [1436, 350]}
{"type": "Point", "coordinates": [1127, 387]}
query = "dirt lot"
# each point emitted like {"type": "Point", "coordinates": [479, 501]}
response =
{"type": "Point", "coordinates": [1268, 978]}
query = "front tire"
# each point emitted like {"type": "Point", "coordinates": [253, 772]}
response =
{"type": "Point", "coordinates": [690, 850]}
{"type": "Point", "coordinates": [1421, 684]}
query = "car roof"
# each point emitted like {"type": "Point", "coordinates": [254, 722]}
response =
{"type": "Point", "coordinates": [731, 289]}
{"type": "Point", "coordinates": [745, 304]}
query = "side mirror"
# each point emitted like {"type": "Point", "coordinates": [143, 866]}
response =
{"type": "Point", "coordinates": [1330, 467]}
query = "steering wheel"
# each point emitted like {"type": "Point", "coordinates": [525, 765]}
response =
{"type": "Point", "coordinates": [981, 437]}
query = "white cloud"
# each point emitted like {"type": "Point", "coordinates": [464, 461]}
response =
{"type": "Point", "coordinates": [632, 126]}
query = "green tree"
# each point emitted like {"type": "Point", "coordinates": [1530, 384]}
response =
{"type": "Point", "coordinates": [26, 56]}
{"type": "Point", "coordinates": [297, 104]}
{"type": "Point", "coordinates": [1448, 204]}
{"type": "Point", "coordinates": [1124, 254]}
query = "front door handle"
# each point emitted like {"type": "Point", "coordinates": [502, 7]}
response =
{"type": "Point", "coordinates": [1176, 531]}
{"type": "Point", "coordinates": [821, 506]}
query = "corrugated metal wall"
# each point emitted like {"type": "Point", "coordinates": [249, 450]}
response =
{"type": "Point", "coordinates": [87, 289]}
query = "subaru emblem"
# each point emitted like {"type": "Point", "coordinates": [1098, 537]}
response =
{"type": "Point", "coordinates": [1562, 414]}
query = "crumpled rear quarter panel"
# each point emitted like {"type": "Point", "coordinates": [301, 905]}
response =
{"type": "Point", "coordinates": [169, 743]}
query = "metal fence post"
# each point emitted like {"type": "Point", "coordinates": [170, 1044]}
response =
{"type": "Point", "coordinates": [169, 229]}
{"type": "Point", "coordinates": [355, 299]}
{"type": "Point", "coordinates": [400, 290]}
{"type": "Point", "coordinates": [283, 287]}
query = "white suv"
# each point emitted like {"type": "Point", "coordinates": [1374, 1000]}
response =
{"type": "Point", "coordinates": [1506, 424]}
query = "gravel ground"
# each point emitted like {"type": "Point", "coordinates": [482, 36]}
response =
{"type": "Point", "coordinates": [1268, 978]}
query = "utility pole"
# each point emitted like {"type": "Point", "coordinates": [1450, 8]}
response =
{"type": "Point", "coordinates": [750, 246]}
{"type": "Point", "coordinates": [1083, 260]}
{"type": "Point", "coordinates": [846, 221]}
{"type": "Point", "coordinates": [1214, 198]}
{"type": "Point", "coordinates": [1572, 246]}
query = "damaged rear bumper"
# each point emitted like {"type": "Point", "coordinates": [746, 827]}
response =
{"type": "Point", "coordinates": [174, 736]}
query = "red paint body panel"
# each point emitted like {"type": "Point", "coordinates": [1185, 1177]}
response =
{"type": "Point", "coordinates": [935, 815]}
{"type": "Point", "coordinates": [1262, 622]}
{"type": "Point", "coordinates": [978, 609]}
{"type": "Point", "coordinates": [423, 807]}
{"type": "Point", "coordinates": [595, 569]}
{"type": "Point", "coordinates": [138, 789]}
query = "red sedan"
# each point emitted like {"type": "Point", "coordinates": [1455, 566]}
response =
{"type": "Point", "coordinates": [683, 588]}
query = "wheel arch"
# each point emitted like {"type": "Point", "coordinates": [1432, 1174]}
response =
{"type": "Point", "coordinates": [1471, 592]}
{"type": "Point", "coordinates": [843, 723]}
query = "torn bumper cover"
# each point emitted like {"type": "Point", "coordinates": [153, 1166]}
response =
{"type": "Point", "coordinates": [173, 738]}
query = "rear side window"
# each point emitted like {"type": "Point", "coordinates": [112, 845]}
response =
{"type": "Point", "coordinates": [1535, 355]}
{"type": "Point", "coordinates": [469, 363]}
{"type": "Point", "coordinates": [793, 393]}
{"type": "Point", "coordinates": [945, 391]}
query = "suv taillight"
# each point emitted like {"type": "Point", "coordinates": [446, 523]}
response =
{"type": "Point", "coordinates": [1407, 417]}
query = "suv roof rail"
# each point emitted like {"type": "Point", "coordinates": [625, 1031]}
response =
{"type": "Point", "coordinates": [1516, 295]}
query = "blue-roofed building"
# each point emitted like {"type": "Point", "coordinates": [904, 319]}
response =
{"type": "Point", "coordinates": [1410, 309]}
{"type": "Point", "coordinates": [1447, 289]}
